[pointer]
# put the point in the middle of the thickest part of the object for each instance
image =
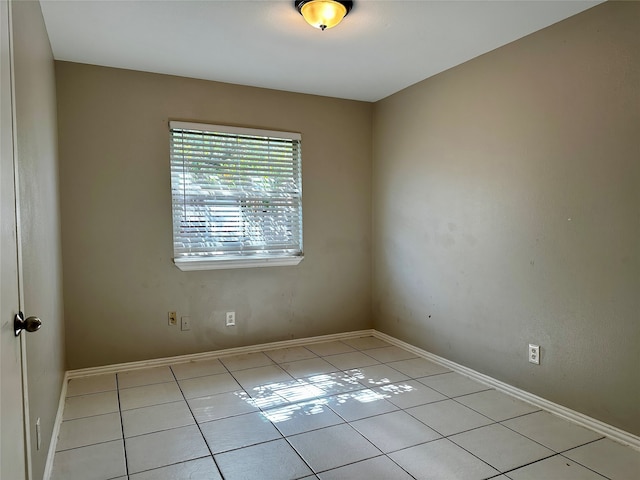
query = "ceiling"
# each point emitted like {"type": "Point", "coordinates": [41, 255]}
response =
{"type": "Point", "coordinates": [381, 47]}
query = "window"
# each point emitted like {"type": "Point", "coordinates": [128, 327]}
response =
{"type": "Point", "coordinates": [237, 197]}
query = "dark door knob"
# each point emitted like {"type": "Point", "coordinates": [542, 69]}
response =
{"type": "Point", "coordinates": [31, 324]}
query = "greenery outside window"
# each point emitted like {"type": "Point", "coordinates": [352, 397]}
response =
{"type": "Point", "coordinates": [236, 195]}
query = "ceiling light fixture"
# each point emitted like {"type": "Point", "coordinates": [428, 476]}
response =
{"type": "Point", "coordinates": [323, 13]}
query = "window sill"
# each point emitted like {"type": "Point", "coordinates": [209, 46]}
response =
{"type": "Point", "coordinates": [193, 264]}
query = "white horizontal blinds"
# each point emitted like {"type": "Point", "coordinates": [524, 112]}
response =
{"type": "Point", "coordinates": [236, 192]}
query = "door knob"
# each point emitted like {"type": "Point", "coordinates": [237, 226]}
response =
{"type": "Point", "coordinates": [31, 324]}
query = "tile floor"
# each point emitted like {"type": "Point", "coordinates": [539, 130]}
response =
{"type": "Point", "coordinates": [353, 409]}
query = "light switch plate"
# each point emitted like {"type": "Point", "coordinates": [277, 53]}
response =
{"type": "Point", "coordinates": [534, 354]}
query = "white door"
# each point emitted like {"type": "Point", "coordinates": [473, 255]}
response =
{"type": "Point", "coordinates": [13, 454]}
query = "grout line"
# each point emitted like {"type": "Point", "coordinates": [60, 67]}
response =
{"type": "Point", "coordinates": [164, 466]}
{"type": "Point", "coordinates": [124, 444]}
{"type": "Point", "coordinates": [549, 457]}
{"type": "Point", "coordinates": [89, 445]}
{"type": "Point", "coordinates": [501, 422]}
{"type": "Point", "coordinates": [530, 463]}
{"type": "Point", "coordinates": [286, 439]}
{"type": "Point", "coordinates": [197, 424]}
{"type": "Point", "coordinates": [486, 461]}
{"type": "Point", "coordinates": [578, 463]}
{"type": "Point", "coordinates": [578, 446]}
{"type": "Point", "coordinates": [487, 416]}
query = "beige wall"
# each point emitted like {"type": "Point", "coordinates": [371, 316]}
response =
{"type": "Point", "coordinates": [119, 279]}
{"type": "Point", "coordinates": [35, 104]}
{"type": "Point", "coordinates": [506, 199]}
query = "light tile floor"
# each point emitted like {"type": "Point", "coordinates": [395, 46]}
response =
{"type": "Point", "coordinates": [355, 409]}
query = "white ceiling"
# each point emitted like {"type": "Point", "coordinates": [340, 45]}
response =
{"type": "Point", "coordinates": [380, 48]}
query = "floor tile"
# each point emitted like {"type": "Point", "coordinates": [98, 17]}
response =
{"type": "Point", "coordinates": [379, 467]}
{"type": "Point", "coordinates": [556, 467]}
{"type": "Point", "coordinates": [200, 469]}
{"type": "Point", "coordinates": [145, 376]}
{"type": "Point", "coordinates": [551, 431]}
{"type": "Point", "coordinates": [496, 405]}
{"type": "Point", "coordinates": [209, 385]}
{"type": "Point", "coordinates": [237, 432]}
{"type": "Point", "coordinates": [274, 460]}
{"type": "Point", "coordinates": [96, 462]}
{"type": "Point", "coordinates": [360, 404]}
{"type": "Point", "coordinates": [390, 354]}
{"type": "Point", "coordinates": [93, 384]}
{"type": "Point", "coordinates": [608, 458]}
{"type": "Point", "coordinates": [341, 445]}
{"type": "Point", "coordinates": [148, 395]}
{"type": "Point", "coordinates": [376, 375]}
{"type": "Point", "coordinates": [347, 361]}
{"type": "Point", "coordinates": [448, 417]}
{"type": "Point", "coordinates": [156, 418]}
{"type": "Point", "coordinates": [441, 460]}
{"type": "Point", "coordinates": [291, 354]}
{"type": "Point", "coordinates": [308, 367]}
{"type": "Point", "coordinates": [246, 360]}
{"type": "Point", "coordinates": [89, 431]}
{"type": "Point", "coordinates": [222, 405]}
{"type": "Point", "coordinates": [394, 431]}
{"type": "Point", "coordinates": [262, 377]}
{"type": "Point", "coordinates": [500, 447]}
{"type": "Point", "coordinates": [410, 393]}
{"type": "Point", "coordinates": [418, 367]}
{"type": "Point", "coordinates": [199, 368]}
{"type": "Point", "coordinates": [164, 448]}
{"type": "Point", "coordinates": [365, 343]}
{"type": "Point", "coordinates": [303, 417]}
{"type": "Point", "coordinates": [453, 384]}
{"type": "Point", "coordinates": [335, 383]}
{"type": "Point", "coordinates": [90, 405]}
{"type": "Point", "coordinates": [329, 348]}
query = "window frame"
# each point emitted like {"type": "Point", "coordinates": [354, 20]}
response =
{"type": "Point", "coordinates": [210, 260]}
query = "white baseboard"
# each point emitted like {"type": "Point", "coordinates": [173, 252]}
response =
{"type": "Point", "coordinates": [578, 418]}
{"type": "Point", "coordinates": [48, 466]}
{"type": "Point", "coordinates": [162, 362]}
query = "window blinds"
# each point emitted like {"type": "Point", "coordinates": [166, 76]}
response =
{"type": "Point", "coordinates": [236, 192]}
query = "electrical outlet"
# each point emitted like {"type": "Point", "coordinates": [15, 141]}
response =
{"type": "Point", "coordinates": [173, 318]}
{"type": "Point", "coordinates": [231, 319]}
{"type": "Point", "coordinates": [534, 354]}
{"type": "Point", "coordinates": [185, 323]}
